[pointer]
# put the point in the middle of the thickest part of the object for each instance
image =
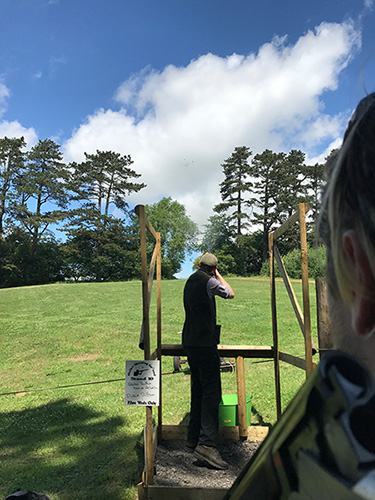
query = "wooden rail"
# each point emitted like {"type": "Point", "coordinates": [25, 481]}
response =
{"type": "Point", "coordinates": [224, 351]}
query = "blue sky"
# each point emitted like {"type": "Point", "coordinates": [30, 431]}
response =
{"type": "Point", "coordinates": [178, 84]}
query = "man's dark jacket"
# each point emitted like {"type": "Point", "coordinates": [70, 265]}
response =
{"type": "Point", "coordinates": [200, 310]}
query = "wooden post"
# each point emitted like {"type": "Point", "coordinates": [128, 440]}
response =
{"type": "Point", "coordinates": [274, 326]}
{"type": "Point", "coordinates": [149, 447]}
{"type": "Point", "coordinates": [303, 208]}
{"type": "Point", "coordinates": [241, 392]}
{"type": "Point", "coordinates": [158, 326]}
{"type": "Point", "coordinates": [145, 299]}
{"type": "Point", "coordinates": [146, 332]}
{"type": "Point", "coordinates": [324, 332]}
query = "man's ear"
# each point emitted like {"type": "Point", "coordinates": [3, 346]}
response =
{"type": "Point", "coordinates": [363, 297]}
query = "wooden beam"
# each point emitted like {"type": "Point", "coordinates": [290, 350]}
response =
{"type": "Point", "coordinates": [158, 325]}
{"type": "Point", "coordinates": [289, 288]}
{"type": "Point", "coordinates": [303, 209]}
{"type": "Point", "coordinates": [147, 222]}
{"type": "Point", "coordinates": [265, 352]}
{"type": "Point", "coordinates": [241, 393]}
{"type": "Point", "coordinates": [146, 321]}
{"type": "Point", "coordinates": [274, 325]}
{"type": "Point", "coordinates": [149, 447]}
{"type": "Point", "coordinates": [287, 225]}
{"type": "Point", "coordinates": [226, 433]}
{"type": "Point", "coordinates": [292, 295]}
{"type": "Point", "coordinates": [292, 360]}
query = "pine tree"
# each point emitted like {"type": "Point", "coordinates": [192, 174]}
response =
{"type": "Point", "coordinates": [42, 186]}
{"type": "Point", "coordinates": [104, 179]}
{"type": "Point", "coordinates": [11, 166]}
{"type": "Point", "coordinates": [266, 172]}
{"type": "Point", "coordinates": [237, 182]}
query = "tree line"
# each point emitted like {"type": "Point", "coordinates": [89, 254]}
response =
{"type": "Point", "coordinates": [258, 194]}
{"type": "Point", "coordinates": [41, 196]}
{"type": "Point", "coordinates": [87, 201]}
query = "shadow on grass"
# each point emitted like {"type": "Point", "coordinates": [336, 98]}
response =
{"type": "Point", "coordinates": [259, 417]}
{"type": "Point", "coordinates": [67, 451]}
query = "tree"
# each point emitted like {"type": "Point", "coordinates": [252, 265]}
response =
{"type": "Point", "coordinates": [104, 179]}
{"type": "Point", "coordinates": [177, 233]}
{"type": "Point", "coordinates": [19, 268]}
{"type": "Point", "coordinates": [248, 253]}
{"type": "Point", "coordinates": [42, 184]}
{"type": "Point", "coordinates": [101, 247]}
{"type": "Point", "coordinates": [11, 166]}
{"type": "Point", "coordinates": [237, 173]}
{"type": "Point", "coordinates": [108, 251]}
{"type": "Point", "coordinates": [291, 183]}
{"type": "Point", "coordinates": [216, 235]}
{"type": "Point", "coordinates": [266, 167]}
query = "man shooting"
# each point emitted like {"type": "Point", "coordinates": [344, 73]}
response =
{"type": "Point", "coordinates": [200, 336]}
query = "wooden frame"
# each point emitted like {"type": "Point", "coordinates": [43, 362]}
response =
{"type": "Point", "coordinates": [146, 489]}
{"type": "Point", "coordinates": [303, 318]}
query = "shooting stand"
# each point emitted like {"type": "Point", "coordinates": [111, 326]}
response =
{"type": "Point", "coordinates": [147, 489]}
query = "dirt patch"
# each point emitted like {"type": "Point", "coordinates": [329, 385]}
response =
{"type": "Point", "coordinates": [177, 467]}
{"type": "Point", "coordinates": [86, 357]}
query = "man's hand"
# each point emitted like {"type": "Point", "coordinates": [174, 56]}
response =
{"type": "Point", "coordinates": [219, 277]}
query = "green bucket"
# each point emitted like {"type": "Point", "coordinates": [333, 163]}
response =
{"type": "Point", "coordinates": [228, 410]}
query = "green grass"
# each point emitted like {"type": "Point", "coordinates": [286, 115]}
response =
{"type": "Point", "coordinates": [80, 442]}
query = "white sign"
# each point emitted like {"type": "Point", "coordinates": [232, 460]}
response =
{"type": "Point", "coordinates": [142, 383]}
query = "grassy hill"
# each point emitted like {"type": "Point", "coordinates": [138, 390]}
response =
{"type": "Point", "coordinates": [79, 442]}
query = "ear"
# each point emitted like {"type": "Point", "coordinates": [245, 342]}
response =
{"type": "Point", "coordinates": [363, 298]}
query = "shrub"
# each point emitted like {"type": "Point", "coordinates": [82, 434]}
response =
{"type": "Point", "coordinates": [316, 258]}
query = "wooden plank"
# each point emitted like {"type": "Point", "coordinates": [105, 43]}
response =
{"type": "Point", "coordinates": [150, 280]}
{"type": "Point", "coordinates": [265, 352]}
{"type": "Point", "coordinates": [303, 209]}
{"type": "Point", "coordinates": [257, 432]}
{"type": "Point", "coordinates": [289, 288]}
{"type": "Point", "coordinates": [323, 323]}
{"type": "Point", "coordinates": [158, 326]}
{"type": "Point", "coordinates": [184, 493]}
{"type": "Point", "coordinates": [287, 225]}
{"type": "Point", "coordinates": [145, 322]}
{"type": "Point", "coordinates": [149, 447]}
{"type": "Point", "coordinates": [226, 433]}
{"type": "Point", "coordinates": [292, 296]}
{"type": "Point", "coordinates": [241, 393]}
{"type": "Point", "coordinates": [151, 274]}
{"type": "Point", "coordinates": [293, 360]}
{"type": "Point", "coordinates": [274, 326]}
{"type": "Point", "coordinates": [148, 224]}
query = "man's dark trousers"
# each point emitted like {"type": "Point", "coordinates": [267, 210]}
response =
{"type": "Point", "coordinates": [204, 362]}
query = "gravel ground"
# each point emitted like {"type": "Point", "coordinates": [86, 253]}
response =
{"type": "Point", "coordinates": [177, 467]}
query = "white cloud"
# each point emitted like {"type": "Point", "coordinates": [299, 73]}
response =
{"type": "Point", "coordinates": [15, 129]}
{"type": "Point", "coordinates": [336, 144]}
{"type": "Point", "coordinates": [187, 120]}
{"type": "Point", "coordinates": [4, 94]}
